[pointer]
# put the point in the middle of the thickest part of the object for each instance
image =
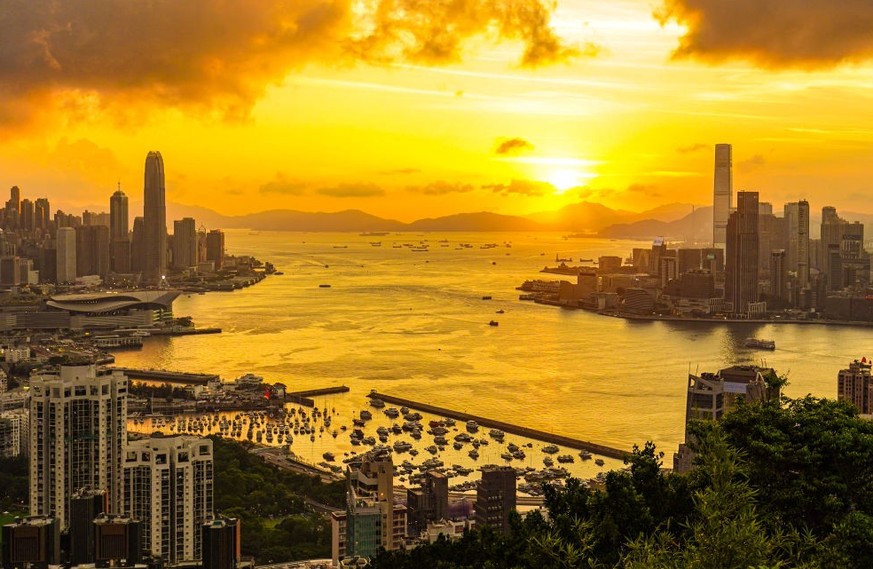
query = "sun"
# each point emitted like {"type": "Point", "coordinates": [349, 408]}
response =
{"type": "Point", "coordinates": [564, 179]}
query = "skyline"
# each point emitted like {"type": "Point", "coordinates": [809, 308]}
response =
{"type": "Point", "coordinates": [515, 113]}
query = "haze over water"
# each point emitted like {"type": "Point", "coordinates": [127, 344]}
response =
{"type": "Point", "coordinates": [414, 325]}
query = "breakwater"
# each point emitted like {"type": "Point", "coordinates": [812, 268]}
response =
{"type": "Point", "coordinates": [168, 376]}
{"type": "Point", "coordinates": [305, 397]}
{"type": "Point", "coordinates": [570, 442]}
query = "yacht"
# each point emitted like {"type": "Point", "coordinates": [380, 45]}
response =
{"type": "Point", "coordinates": [760, 344]}
{"type": "Point", "coordinates": [472, 426]}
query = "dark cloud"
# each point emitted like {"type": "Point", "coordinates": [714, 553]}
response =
{"type": "Point", "coordinates": [283, 185]}
{"type": "Point", "coordinates": [752, 163]}
{"type": "Point", "coordinates": [522, 187]}
{"type": "Point", "coordinates": [692, 148]}
{"type": "Point", "coordinates": [774, 33]}
{"type": "Point", "coordinates": [220, 55]}
{"type": "Point", "coordinates": [512, 146]}
{"type": "Point", "coordinates": [433, 32]}
{"type": "Point", "coordinates": [347, 190]}
{"type": "Point", "coordinates": [650, 190]}
{"type": "Point", "coordinates": [440, 188]}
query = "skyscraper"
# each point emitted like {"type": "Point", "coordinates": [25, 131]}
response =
{"type": "Point", "coordinates": [137, 246]}
{"type": "Point", "coordinates": [741, 254]}
{"type": "Point", "coordinates": [118, 216]}
{"type": "Point", "coordinates": [78, 428]}
{"type": "Point", "coordinates": [92, 250]}
{"type": "Point", "coordinates": [42, 216]}
{"type": "Point", "coordinates": [797, 238]}
{"type": "Point", "coordinates": [167, 485]}
{"type": "Point", "coordinates": [66, 256]}
{"type": "Point", "coordinates": [723, 189]}
{"type": "Point", "coordinates": [154, 219]}
{"type": "Point", "coordinates": [184, 243]}
{"type": "Point", "coordinates": [119, 233]}
{"type": "Point", "coordinates": [855, 386]}
{"type": "Point", "coordinates": [215, 247]}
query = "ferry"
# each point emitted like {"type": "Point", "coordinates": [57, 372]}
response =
{"type": "Point", "coordinates": [760, 344]}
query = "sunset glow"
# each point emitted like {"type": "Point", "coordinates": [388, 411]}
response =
{"type": "Point", "coordinates": [407, 116]}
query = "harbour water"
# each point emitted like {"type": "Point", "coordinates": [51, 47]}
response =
{"type": "Point", "coordinates": [414, 324]}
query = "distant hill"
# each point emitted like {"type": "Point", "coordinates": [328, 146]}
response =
{"type": "Point", "coordinates": [583, 217]}
{"type": "Point", "coordinates": [481, 221]}
{"type": "Point", "coordinates": [696, 226]}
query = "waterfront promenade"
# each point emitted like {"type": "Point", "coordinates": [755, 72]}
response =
{"type": "Point", "coordinates": [595, 448]}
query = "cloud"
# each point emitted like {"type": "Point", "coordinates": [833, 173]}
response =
{"type": "Point", "coordinates": [433, 32]}
{"type": "Point", "coordinates": [220, 55]}
{"type": "Point", "coordinates": [774, 33]}
{"type": "Point", "coordinates": [347, 190]}
{"type": "Point", "coordinates": [692, 148]}
{"type": "Point", "coordinates": [752, 163]}
{"type": "Point", "coordinates": [440, 188]}
{"type": "Point", "coordinates": [513, 146]}
{"type": "Point", "coordinates": [650, 190]}
{"type": "Point", "coordinates": [283, 185]}
{"type": "Point", "coordinates": [522, 187]}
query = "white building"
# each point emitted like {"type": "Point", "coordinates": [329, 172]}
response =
{"type": "Point", "coordinates": [13, 433]}
{"type": "Point", "coordinates": [66, 255]}
{"type": "Point", "coordinates": [78, 429]}
{"type": "Point", "coordinates": [167, 484]}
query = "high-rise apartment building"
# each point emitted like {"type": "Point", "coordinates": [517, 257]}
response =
{"type": "Point", "coordinates": [154, 219]}
{"type": "Point", "coordinates": [42, 214]}
{"type": "Point", "coordinates": [741, 254]}
{"type": "Point", "coordinates": [27, 219]}
{"type": "Point", "coordinates": [797, 240]}
{"type": "Point", "coordinates": [14, 425]}
{"type": "Point", "coordinates": [778, 275]}
{"type": "Point", "coordinates": [184, 243]}
{"type": "Point", "coordinates": [495, 497]}
{"type": "Point", "coordinates": [66, 255]}
{"type": "Point", "coordinates": [371, 519]}
{"type": "Point", "coordinates": [137, 246]}
{"type": "Point", "coordinates": [168, 485]}
{"type": "Point", "coordinates": [78, 428]}
{"type": "Point", "coordinates": [711, 395]}
{"type": "Point", "coordinates": [855, 386]}
{"type": "Point", "coordinates": [722, 194]}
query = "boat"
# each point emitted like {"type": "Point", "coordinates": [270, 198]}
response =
{"type": "Point", "coordinates": [494, 323]}
{"type": "Point", "coordinates": [550, 449]}
{"type": "Point", "coordinates": [486, 297]}
{"type": "Point", "coordinates": [328, 456]}
{"type": "Point", "coordinates": [599, 462]}
{"type": "Point", "coordinates": [474, 454]}
{"type": "Point", "coordinates": [585, 455]}
{"type": "Point", "coordinates": [760, 344]}
{"type": "Point", "coordinates": [377, 403]}
{"type": "Point", "coordinates": [366, 415]}
{"type": "Point", "coordinates": [472, 426]}
{"type": "Point", "coordinates": [324, 286]}
{"type": "Point", "coordinates": [497, 434]}
{"type": "Point", "coordinates": [402, 446]}
{"type": "Point", "coordinates": [500, 311]}
{"type": "Point", "coordinates": [564, 458]}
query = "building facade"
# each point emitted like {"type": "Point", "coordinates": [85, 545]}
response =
{"type": "Point", "coordinates": [154, 219]}
{"type": "Point", "coordinates": [495, 497]}
{"type": "Point", "coordinates": [741, 254]}
{"type": "Point", "coordinates": [854, 386]}
{"type": "Point", "coordinates": [167, 484]}
{"type": "Point", "coordinates": [78, 429]}
{"type": "Point", "coordinates": [722, 194]}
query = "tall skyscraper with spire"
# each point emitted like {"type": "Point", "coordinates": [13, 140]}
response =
{"type": "Point", "coordinates": [723, 189]}
{"type": "Point", "coordinates": [154, 219]}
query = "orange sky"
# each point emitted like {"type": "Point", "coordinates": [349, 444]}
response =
{"type": "Point", "coordinates": [417, 108]}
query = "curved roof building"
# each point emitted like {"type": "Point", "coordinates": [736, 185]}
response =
{"type": "Point", "coordinates": [115, 309]}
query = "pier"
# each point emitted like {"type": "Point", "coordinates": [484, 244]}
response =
{"type": "Point", "coordinates": [304, 397]}
{"type": "Point", "coordinates": [168, 376]}
{"type": "Point", "coordinates": [552, 438]}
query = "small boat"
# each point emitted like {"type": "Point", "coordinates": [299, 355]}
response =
{"type": "Point", "coordinates": [324, 286]}
{"type": "Point", "coordinates": [328, 456]}
{"type": "Point", "coordinates": [486, 297]}
{"type": "Point", "coordinates": [599, 462]}
{"type": "Point", "coordinates": [494, 323]}
{"type": "Point", "coordinates": [550, 449]}
{"type": "Point", "coordinates": [585, 455]}
{"type": "Point", "coordinates": [377, 403]}
{"type": "Point", "coordinates": [500, 311]}
{"type": "Point", "coordinates": [760, 344]}
{"type": "Point", "coordinates": [472, 426]}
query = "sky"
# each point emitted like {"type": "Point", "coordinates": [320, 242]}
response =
{"type": "Point", "coordinates": [419, 108]}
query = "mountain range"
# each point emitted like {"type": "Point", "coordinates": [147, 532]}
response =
{"type": "Point", "coordinates": [675, 221]}
{"type": "Point", "coordinates": [584, 217]}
